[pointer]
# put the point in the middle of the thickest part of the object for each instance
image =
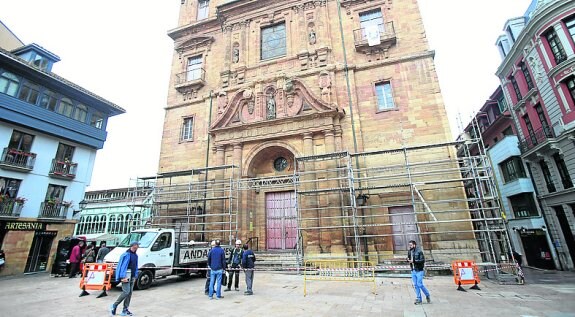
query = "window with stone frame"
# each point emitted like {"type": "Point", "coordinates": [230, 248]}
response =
{"type": "Point", "coordinates": [273, 41]}
{"type": "Point", "coordinates": [512, 169]}
{"type": "Point", "coordinates": [527, 75]}
{"type": "Point", "coordinates": [203, 9]}
{"type": "Point", "coordinates": [547, 176]}
{"type": "Point", "coordinates": [516, 88]}
{"type": "Point", "coordinates": [556, 47]}
{"type": "Point", "coordinates": [570, 84]}
{"type": "Point", "coordinates": [523, 205]}
{"type": "Point", "coordinates": [187, 133]}
{"type": "Point", "coordinates": [502, 103]}
{"type": "Point", "coordinates": [384, 95]}
{"type": "Point", "coordinates": [570, 24]}
{"type": "Point", "coordinates": [194, 68]}
{"type": "Point", "coordinates": [372, 18]}
{"type": "Point", "coordinates": [563, 171]}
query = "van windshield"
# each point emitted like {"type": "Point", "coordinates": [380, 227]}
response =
{"type": "Point", "coordinates": [145, 239]}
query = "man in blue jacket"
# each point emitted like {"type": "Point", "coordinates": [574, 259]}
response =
{"type": "Point", "coordinates": [126, 272]}
{"type": "Point", "coordinates": [216, 264]}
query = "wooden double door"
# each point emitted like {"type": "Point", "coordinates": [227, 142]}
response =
{"type": "Point", "coordinates": [281, 221]}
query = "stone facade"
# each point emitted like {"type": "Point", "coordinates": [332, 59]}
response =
{"type": "Point", "coordinates": [319, 97]}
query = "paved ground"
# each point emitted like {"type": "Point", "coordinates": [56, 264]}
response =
{"type": "Point", "coordinates": [545, 294]}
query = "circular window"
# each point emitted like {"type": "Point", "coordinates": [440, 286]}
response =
{"type": "Point", "coordinates": [280, 164]}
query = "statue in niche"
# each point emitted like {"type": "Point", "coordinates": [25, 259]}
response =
{"type": "Point", "coordinates": [271, 106]}
{"type": "Point", "coordinates": [312, 37]}
{"type": "Point", "coordinates": [236, 55]}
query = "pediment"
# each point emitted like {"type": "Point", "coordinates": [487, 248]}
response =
{"type": "Point", "coordinates": [248, 106]}
{"type": "Point", "coordinates": [194, 42]}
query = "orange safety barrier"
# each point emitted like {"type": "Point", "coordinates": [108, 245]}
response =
{"type": "Point", "coordinates": [465, 272]}
{"type": "Point", "coordinates": [96, 276]}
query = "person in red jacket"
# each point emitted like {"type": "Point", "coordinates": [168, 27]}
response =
{"type": "Point", "coordinates": [75, 259]}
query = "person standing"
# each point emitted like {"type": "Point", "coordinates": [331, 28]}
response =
{"type": "Point", "coordinates": [126, 272]}
{"type": "Point", "coordinates": [417, 262]}
{"type": "Point", "coordinates": [216, 264]}
{"type": "Point", "coordinates": [207, 286]}
{"type": "Point", "coordinates": [104, 250]}
{"type": "Point", "coordinates": [248, 263]}
{"type": "Point", "coordinates": [75, 259]}
{"type": "Point", "coordinates": [235, 260]}
{"type": "Point", "coordinates": [89, 255]}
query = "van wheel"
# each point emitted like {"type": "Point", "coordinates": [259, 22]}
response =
{"type": "Point", "coordinates": [144, 280]}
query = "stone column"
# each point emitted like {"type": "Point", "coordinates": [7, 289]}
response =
{"type": "Point", "coordinates": [335, 237]}
{"type": "Point", "coordinates": [311, 237]}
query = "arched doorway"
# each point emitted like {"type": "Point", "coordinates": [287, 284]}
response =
{"type": "Point", "coordinates": [275, 206]}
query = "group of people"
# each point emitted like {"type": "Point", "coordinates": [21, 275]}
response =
{"type": "Point", "coordinates": [241, 258]}
{"type": "Point", "coordinates": [86, 254]}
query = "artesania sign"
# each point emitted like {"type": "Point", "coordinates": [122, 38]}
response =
{"type": "Point", "coordinates": [23, 225]}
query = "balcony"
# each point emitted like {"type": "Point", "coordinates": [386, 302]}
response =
{"type": "Point", "coordinates": [538, 137]}
{"type": "Point", "coordinates": [190, 80]}
{"type": "Point", "coordinates": [17, 160]}
{"type": "Point", "coordinates": [53, 210]}
{"type": "Point", "coordinates": [63, 169]}
{"type": "Point", "coordinates": [11, 207]}
{"type": "Point", "coordinates": [386, 36]}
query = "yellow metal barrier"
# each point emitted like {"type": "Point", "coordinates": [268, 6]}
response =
{"type": "Point", "coordinates": [338, 270]}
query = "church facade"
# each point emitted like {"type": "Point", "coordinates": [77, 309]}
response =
{"type": "Point", "coordinates": [258, 83]}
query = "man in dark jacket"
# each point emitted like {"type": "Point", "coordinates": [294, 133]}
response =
{"type": "Point", "coordinates": [216, 264]}
{"type": "Point", "coordinates": [235, 260]}
{"type": "Point", "coordinates": [248, 264]}
{"type": "Point", "coordinates": [416, 260]}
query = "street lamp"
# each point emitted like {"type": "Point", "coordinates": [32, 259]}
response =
{"type": "Point", "coordinates": [361, 199]}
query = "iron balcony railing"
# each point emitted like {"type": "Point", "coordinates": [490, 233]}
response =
{"type": "Point", "coordinates": [64, 169]}
{"type": "Point", "coordinates": [53, 210]}
{"type": "Point", "coordinates": [18, 158]}
{"type": "Point", "coordinates": [537, 137]}
{"type": "Point", "coordinates": [386, 34]}
{"type": "Point", "coordinates": [10, 207]}
{"type": "Point", "coordinates": [191, 76]}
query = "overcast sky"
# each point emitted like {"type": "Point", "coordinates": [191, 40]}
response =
{"type": "Point", "coordinates": [119, 50]}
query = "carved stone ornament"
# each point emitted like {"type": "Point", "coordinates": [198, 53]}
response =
{"type": "Point", "coordinates": [222, 102]}
{"type": "Point", "coordinates": [325, 85]}
{"type": "Point", "coordinates": [312, 37]}
{"type": "Point", "coordinates": [236, 55]}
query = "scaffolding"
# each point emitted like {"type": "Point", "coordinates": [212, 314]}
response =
{"type": "Point", "coordinates": [369, 205]}
{"type": "Point", "coordinates": [354, 206]}
{"type": "Point", "coordinates": [201, 204]}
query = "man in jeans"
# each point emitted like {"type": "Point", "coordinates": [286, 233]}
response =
{"type": "Point", "coordinates": [416, 260]}
{"type": "Point", "coordinates": [216, 264]}
{"type": "Point", "coordinates": [126, 272]}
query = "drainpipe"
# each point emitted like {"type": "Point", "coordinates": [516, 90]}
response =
{"type": "Point", "coordinates": [350, 104]}
{"type": "Point", "coordinates": [207, 164]}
